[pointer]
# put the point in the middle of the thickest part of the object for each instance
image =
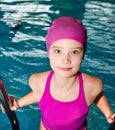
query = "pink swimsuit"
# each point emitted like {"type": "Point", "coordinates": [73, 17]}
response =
{"type": "Point", "coordinates": [57, 115]}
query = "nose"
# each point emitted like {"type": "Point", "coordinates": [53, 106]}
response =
{"type": "Point", "coordinates": [66, 59]}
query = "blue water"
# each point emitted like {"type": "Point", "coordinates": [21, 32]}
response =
{"type": "Point", "coordinates": [23, 26]}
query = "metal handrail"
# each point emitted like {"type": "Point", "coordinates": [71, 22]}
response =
{"type": "Point", "coordinates": [6, 103]}
{"type": "Point", "coordinates": [112, 126]}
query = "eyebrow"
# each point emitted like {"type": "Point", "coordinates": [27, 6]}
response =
{"type": "Point", "coordinates": [56, 47]}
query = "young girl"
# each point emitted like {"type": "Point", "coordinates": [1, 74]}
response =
{"type": "Point", "coordinates": [64, 94]}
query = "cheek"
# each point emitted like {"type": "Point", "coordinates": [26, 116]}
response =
{"type": "Point", "coordinates": [77, 62]}
{"type": "Point", "coordinates": [53, 61]}
{"type": "Point", "coordinates": [53, 64]}
{"type": "Point", "coordinates": [53, 58]}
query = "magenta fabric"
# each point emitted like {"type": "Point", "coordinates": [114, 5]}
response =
{"type": "Point", "coordinates": [57, 115]}
{"type": "Point", "coordinates": [66, 28]}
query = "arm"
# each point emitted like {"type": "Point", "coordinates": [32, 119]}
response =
{"type": "Point", "coordinates": [24, 101]}
{"type": "Point", "coordinates": [104, 106]}
{"type": "Point", "coordinates": [29, 98]}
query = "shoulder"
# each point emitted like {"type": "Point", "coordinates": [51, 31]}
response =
{"type": "Point", "coordinates": [93, 87]}
{"type": "Point", "coordinates": [37, 83]}
{"type": "Point", "coordinates": [92, 81]}
{"type": "Point", "coordinates": [37, 78]}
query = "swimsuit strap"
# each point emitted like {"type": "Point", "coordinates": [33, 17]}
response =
{"type": "Point", "coordinates": [82, 92]}
{"type": "Point", "coordinates": [48, 81]}
{"type": "Point", "coordinates": [81, 86]}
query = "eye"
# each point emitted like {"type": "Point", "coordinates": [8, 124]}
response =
{"type": "Point", "coordinates": [57, 51]}
{"type": "Point", "coordinates": [75, 52]}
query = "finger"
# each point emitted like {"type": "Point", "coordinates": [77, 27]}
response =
{"type": "Point", "coordinates": [113, 116]}
{"type": "Point", "coordinates": [111, 119]}
{"type": "Point", "coordinates": [15, 105]}
{"type": "Point", "coordinates": [13, 108]}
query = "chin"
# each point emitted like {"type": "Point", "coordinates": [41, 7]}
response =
{"type": "Point", "coordinates": [66, 74]}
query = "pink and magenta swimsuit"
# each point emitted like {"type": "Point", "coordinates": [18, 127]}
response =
{"type": "Point", "coordinates": [57, 115]}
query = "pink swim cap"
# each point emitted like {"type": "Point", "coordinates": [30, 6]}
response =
{"type": "Point", "coordinates": [66, 28]}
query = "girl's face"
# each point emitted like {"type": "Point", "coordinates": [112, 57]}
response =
{"type": "Point", "coordinates": [65, 57]}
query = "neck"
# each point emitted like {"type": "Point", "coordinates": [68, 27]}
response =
{"type": "Point", "coordinates": [65, 83]}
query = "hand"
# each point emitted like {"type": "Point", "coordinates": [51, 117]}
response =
{"type": "Point", "coordinates": [111, 118]}
{"type": "Point", "coordinates": [14, 106]}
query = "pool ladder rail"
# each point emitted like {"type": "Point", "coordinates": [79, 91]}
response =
{"type": "Point", "coordinates": [6, 103]}
{"type": "Point", "coordinates": [112, 126]}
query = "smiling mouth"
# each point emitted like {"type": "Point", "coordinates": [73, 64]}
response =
{"type": "Point", "coordinates": [65, 69]}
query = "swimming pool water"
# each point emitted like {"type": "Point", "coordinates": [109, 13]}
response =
{"type": "Point", "coordinates": [23, 26]}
